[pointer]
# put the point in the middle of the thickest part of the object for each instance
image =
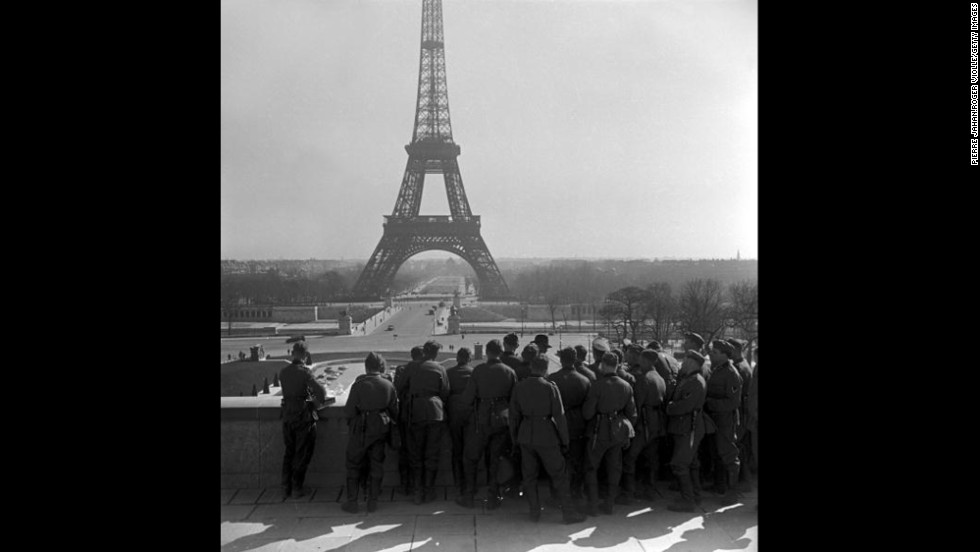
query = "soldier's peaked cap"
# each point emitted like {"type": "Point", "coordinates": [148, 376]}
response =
{"type": "Point", "coordinates": [600, 344]}
{"type": "Point", "coordinates": [739, 344]}
{"type": "Point", "coordinates": [724, 347]}
{"type": "Point", "coordinates": [696, 356]}
{"type": "Point", "coordinates": [695, 338]}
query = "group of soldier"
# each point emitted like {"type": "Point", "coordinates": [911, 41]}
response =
{"type": "Point", "coordinates": [599, 430]}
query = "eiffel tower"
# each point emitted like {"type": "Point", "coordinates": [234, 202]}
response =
{"type": "Point", "coordinates": [432, 151]}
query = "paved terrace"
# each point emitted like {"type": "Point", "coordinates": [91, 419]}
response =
{"type": "Point", "coordinates": [261, 520]}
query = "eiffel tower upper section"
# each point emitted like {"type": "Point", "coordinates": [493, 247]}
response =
{"type": "Point", "coordinates": [432, 150]}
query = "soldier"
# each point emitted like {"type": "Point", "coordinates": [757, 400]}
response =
{"type": "Point", "coordinates": [685, 425]}
{"type": "Point", "coordinates": [459, 413]}
{"type": "Point", "coordinates": [622, 369]}
{"type": "Point", "coordinates": [668, 368]}
{"type": "Point", "coordinates": [509, 356]}
{"type": "Point", "coordinates": [723, 403]}
{"type": "Point", "coordinates": [489, 389]}
{"type": "Point", "coordinates": [573, 387]}
{"type": "Point", "coordinates": [298, 414]}
{"type": "Point", "coordinates": [538, 426]}
{"type": "Point", "coordinates": [744, 437]}
{"type": "Point", "coordinates": [600, 346]}
{"type": "Point", "coordinates": [611, 413]}
{"type": "Point", "coordinates": [309, 358]}
{"type": "Point", "coordinates": [581, 353]}
{"type": "Point", "coordinates": [372, 406]}
{"type": "Point", "coordinates": [428, 390]}
{"type": "Point", "coordinates": [649, 393]}
{"type": "Point", "coordinates": [529, 353]}
{"type": "Point", "coordinates": [405, 479]}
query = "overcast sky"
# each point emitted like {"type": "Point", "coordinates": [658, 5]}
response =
{"type": "Point", "coordinates": [588, 128]}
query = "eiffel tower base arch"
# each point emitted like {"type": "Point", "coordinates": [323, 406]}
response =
{"type": "Point", "coordinates": [398, 245]}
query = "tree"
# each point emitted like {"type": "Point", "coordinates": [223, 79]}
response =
{"type": "Point", "coordinates": [631, 301]}
{"type": "Point", "coordinates": [701, 307]}
{"type": "Point", "coordinates": [255, 391]}
{"type": "Point", "coordinates": [275, 379]}
{"type": "Point", "coordinates": [611, 314]}
{"type": "Point", "coordinates": [661, 310]}
{"type": "Point", "coordinates": [265, 386]}
{"type": "Point", "coordinates": [743, 313]}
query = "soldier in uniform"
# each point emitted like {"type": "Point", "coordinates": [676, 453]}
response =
{"type": "Point", "coordinates": [581, 353]}
{"type": "Point", "coordinates": [509, 356]}
{"type": "Point", "coordinates": [649, 394]}
{"type": "Point", "coordinates": [573, 387]}
{"type": "Point", "coordinates": [685, 424]}
{"type": "Point", "coordinates": [371, 407]}
{"type": "Point", "coordinates": [308, 360]}
{"type": "Point", "coordinates": [298, 414]}
{"type": "Point", "coordinates": [489, 390]}
{"type": "Point", "coordinates": [541, 342]}
{"type": "Point", "coordinates": [538, 426]}
{"type": "Point", "coordinates": [428, 391]}
{"type": "Point", "coordinates": [723, 403]}
{"type": "Point", "coordinates": [744, 437]}
{"type": "Point", "coordinates": [600, 346]}
{"type": "Point", "coordinates": [459, 413]}
{"type": "Point", "coordinates": [752, 410]}
{"type": "Point", "coordinates": [622, 369]}
{"type": "Point", "coordinates": [611, 414]}
{"type": "Point", "coordinates": [529, 353]}
{"type": "Point", "coordinates": [405, 479]}
{"type": "Point", "coordinates": [706, 453]}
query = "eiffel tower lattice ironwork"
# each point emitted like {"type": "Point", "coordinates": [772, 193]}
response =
{"type": "Point", "coordinates": [432, 151]}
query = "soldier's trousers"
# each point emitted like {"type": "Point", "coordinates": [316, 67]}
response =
{"type": "Point", "coordinates": [404, 463]}
{"type": "Point", "coordinates": [576, 463]}
{"type": "Point", "coordinates": [611, 456]}
{"type": "Point", "coordinates": [726, 439]}
{"type": "Point", "coordinates": [424, 446]}
{"type": "Point", "coordinates": [371, 453]}
{"type": "Point", "coordinates": [648, 449]}
{"type": "Point", "coordinates": [685, 457]}
{"type": "Point", "coordinates": [481, 440]}
{"type": "Point", "coordinates": [299, 439]}
{"type": "Point", "coordinates": [457, 434]}
{"type": "Point", "coordinates": [534, 457]}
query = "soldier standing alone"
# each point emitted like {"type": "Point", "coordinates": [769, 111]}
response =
{"type": "Point", "coordinates": [298, 413]}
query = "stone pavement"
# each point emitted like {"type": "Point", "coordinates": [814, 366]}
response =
{"type": "Point", "coordinates": [259, 519]}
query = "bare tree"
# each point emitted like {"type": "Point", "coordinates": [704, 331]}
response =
{"type": "Point", "coordinates": [661, 310]}
{"type": "Point", "coordinates": [743, 313]}
{"type": "Point", "coordinates": [611, 314]}
{"type": "Point", "coordinates": [702, 307]}
{"type": "Point", "coordinates": [632, 304]}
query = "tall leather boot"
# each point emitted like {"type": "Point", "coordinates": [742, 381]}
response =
{"type": "Point", "coordinates": [430, 485]}
{"type": "Point", "coordinates": [417, 486]}
{"type": "Point", "coordinates": [731, 496]}
{"type": "Point", "coordinates": [373, 492]}
{"type": "Point", "coordinates": [685, 502]}
{"type": "Point", "coordinates": [352, 487]}
{"type": "Point", "coordinates": [721, 479]}
{"type": "Point", "coordinates": [533, 501]}
{"type": "Point", "coordinates": [465, 498]}
{"type": "Point", "coordinates": [568, 513]}
{"type": "Point", "coordinates": [459, 478]}
{"type": "Point", "coordinates": [625, 498]}
{"type": "Point", "coordinates": [650, 492]}
{"type": "Point", "coordinates": [592, 506]}
{"type": "Point", "coordinates": [696, 488]}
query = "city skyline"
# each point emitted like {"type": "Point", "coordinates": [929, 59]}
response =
{"type": "Point", "coordinates": [588, 129]}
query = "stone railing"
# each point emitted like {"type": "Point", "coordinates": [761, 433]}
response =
{"type": "Point", "coordinates": [252, 446]}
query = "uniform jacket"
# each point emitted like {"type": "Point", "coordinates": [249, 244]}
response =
{"type": "Point", "coordinates": [668, 368]}
{"type": "Point", "coordinates": [574, 388]}
{"type": "Point", "coordinates": [752, 404]}
{"type": "Point", "coordinates": [402, 389]}
{"type": "Point", "coordinates": [649, 394]}
{"type": "Point", "coordinates": [537, 417]}
{"type": "Point", "coordinates": [688, 398]}
{"type": "Point", "coordinates": [510, 359]}
{"type": "Point", "coordinates": [583, 368]}
{"type": "Point", "coordinates": [298, 385]}
{"type": "Point", "coordinates": [488, 393]}
{"type": "Point", "coordinates": [459, 376]}
{"type": "Point", "coordinates": [608, 404]}
{"type": "Point", "coordinates": [371, 406]}
{"type": "Point", "coordinates": [724, 390]}
{"type": "Point", "coordinates": [427, 388]}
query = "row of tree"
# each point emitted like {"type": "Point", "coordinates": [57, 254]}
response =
{"type": "Point", "coordinates": [703, 305]}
